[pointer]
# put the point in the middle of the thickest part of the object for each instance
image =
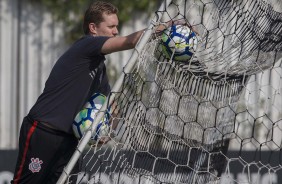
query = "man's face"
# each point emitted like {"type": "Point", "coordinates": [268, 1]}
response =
{"type": "Point", "coordinates": [108, 27]}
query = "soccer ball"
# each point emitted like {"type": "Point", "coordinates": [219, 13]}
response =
{"type": "Point", "coordinates": [86, 117]}
{"type": "Point", "coordinates": [179, 42]}
{"type": "Point", "coordinates": [96, 101]}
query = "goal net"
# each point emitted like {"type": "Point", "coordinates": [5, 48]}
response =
{"type": "Point", "coordinates": [215, 118]}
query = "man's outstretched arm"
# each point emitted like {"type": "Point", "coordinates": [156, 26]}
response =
{"type": "Point", "coordinates": [120, 43]}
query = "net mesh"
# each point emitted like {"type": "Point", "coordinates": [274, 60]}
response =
{"type": "Point", "coordinates": [216, 118]}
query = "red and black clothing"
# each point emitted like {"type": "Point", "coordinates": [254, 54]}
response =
{"type": "Point", "coordinates": [46, 141]}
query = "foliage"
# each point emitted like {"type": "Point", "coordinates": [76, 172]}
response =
{"type": "Point", "coordinates": [71, 12]}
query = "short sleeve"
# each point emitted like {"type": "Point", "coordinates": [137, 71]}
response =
{"type": "Point", "coordinates": [91, 45]}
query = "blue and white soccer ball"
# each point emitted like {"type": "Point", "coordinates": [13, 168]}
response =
{"type": "Point", "coordinates": [179, 42]}
{"type": "Point", "coordinates": [86, 117]}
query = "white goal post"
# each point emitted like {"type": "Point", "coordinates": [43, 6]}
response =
{"type": "Point", "coordinates": [84, 141]}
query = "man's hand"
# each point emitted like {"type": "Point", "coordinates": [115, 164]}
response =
{"type": "Point", "coordinates": [168, 24]}
{"type": "Point", "coordinates": [163, 26]}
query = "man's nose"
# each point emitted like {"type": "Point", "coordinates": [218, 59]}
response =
{"type": "Point", "coordinates": [115, 31]}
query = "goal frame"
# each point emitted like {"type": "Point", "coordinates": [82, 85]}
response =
{"type": "Point", "coordinates": [117, 86]}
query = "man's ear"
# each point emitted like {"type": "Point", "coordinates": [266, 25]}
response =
{"type": "Point", "coordinates": [92, 28]}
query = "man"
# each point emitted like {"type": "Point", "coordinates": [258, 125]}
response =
{"type": "Point", "coordinates": [46, 140]}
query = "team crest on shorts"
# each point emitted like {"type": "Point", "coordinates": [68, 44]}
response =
{"type": "Point", "coordinates": [35, 165]}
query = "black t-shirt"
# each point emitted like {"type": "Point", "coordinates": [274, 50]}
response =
{"type": "Point", "coordinates": [78, 73]}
